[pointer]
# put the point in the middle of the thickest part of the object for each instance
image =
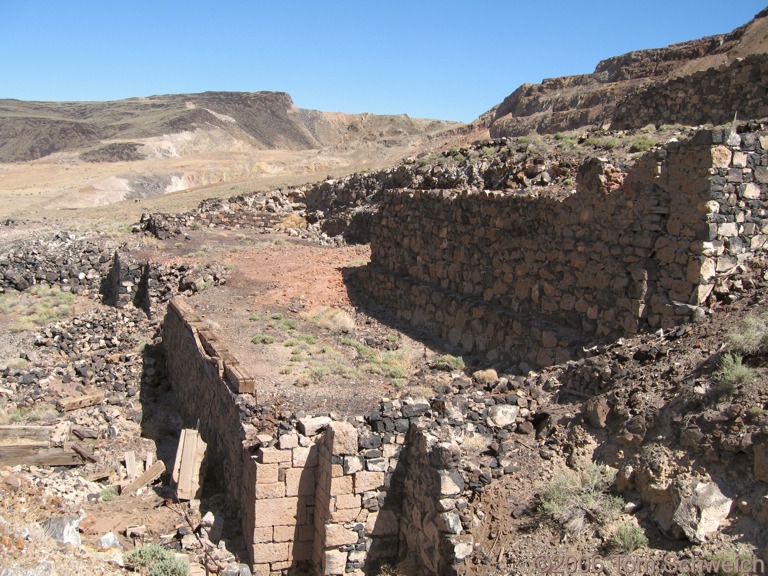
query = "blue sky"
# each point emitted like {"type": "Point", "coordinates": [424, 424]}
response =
{"type": "Point", "coordinates": [437, 59]}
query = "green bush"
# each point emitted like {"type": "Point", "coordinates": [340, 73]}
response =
{"type": "Point", "coordinates": [574, 500]}
{"type": "Point", "coordinates": [642, 144]}
{"type": "Point", "coordinates": [732, 373]}
{"type": "Point", "coordinates": [109, 493]}
{"type": "Point", "coordinates": [629, 537]}
{"type": "Point", "coordinates": [448, 363]}
{"type": "Point", "coordinates": [263, 339]}
{"type": "Point", "coordinates": [154, 560]}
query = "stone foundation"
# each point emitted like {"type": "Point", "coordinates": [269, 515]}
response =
{"type": "Point", "coordinates": [319, 496]}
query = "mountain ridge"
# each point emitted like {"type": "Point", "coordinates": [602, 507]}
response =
{"type": "Point", "coordinates": [573, 102]}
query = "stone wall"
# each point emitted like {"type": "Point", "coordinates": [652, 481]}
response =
{"type": "Point", "coordinates": [327, 497]}
{"type": "Point", "coordinates": [712, 96]}
{"type": "Point", "coordinates": [533, 278]}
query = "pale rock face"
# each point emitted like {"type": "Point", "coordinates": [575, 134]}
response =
{"type": "Point", "coordinates": [502, 415]}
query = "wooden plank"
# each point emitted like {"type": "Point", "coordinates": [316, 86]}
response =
{"type": "Point", "coordinates": [15, 433]}
{"type": "Point", "coordinates": [240, 380]}
{"type": "Point", "coordinates": [40, 455]}
{"type": "Point", "coordinates": [150, 460]}
{"type": "Point", "coordinates": [186, 469]}
{"type": "Point", "coordinates": [67, 404]}
{"type": "Point", "coordinates": [152, 474]}
{"type": "Point", "coordinates": [130, 464]}
{"type": "Point", "coordinates": [85, 433]}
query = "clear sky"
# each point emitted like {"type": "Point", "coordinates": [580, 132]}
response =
{"type": "Point", "coordinates": [435, 59]}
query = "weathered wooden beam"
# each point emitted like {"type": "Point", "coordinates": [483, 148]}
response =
{"type": "Point", "coordinates": [67, 404]}
{"type": "Point", "coordinates": [130, 464]}
{"type": "Point", "coordinates": [152, 474]}
{"type": "Point", "coordinates": [39, 455]}
{"type": "Point", "coordinates": [240, 380]}
{"type": "Point", "coordinates": [186, 468]}
{"type": "Point", "coordinates": [31, 433]}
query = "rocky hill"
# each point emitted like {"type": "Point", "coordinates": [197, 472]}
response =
{"type": "Point", "coordinates": [571, 102]}
{"type": "Point", "coordinates": [74, 155]}
{"type": "Point", "coordinates": [107, 131]}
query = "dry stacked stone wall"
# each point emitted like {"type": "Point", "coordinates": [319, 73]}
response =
{"type": "Point", "coordinates": [521, 277]}
{"type": "Point", "coordinates": [711, 96]}
{"type": "Point", "coordinates": [322, 496]}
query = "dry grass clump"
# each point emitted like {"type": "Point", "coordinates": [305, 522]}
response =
{"type": "Point", "coordinates": [38, 306]}
{"type": "Point", "coordinates": [577, 500]}
{"type": "Point", "coordinates": [751, 337]}
{"type": "Point", "coordinates": [334, 319]}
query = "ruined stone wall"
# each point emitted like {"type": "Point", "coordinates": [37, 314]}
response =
{"type": "Point", "coordinates": [328, 497]}
{"type": "Point", "coordinates": [532, 278]}
{"type": "Point", "coordinates": [711, 96]}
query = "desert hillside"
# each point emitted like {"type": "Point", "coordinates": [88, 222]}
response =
{"type": "Point", "coordinates": [572, 102]}
{"type": "Point", "coordinates": [82, 154]}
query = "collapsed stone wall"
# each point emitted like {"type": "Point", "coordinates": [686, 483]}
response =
{"type": "Point", "coordinates": [533, 278]}
{"type": "Point", "coordinates": [329, 497]}
{"type": "Point", "coordinates": [711, 96]}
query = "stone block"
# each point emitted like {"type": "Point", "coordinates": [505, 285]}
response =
{"type": "Point", "coordinates": [270, 552]}
{"type": "Point", "coordinates": [313, 426]}
{"type": "Point", "coordinates": [273, 455]}
{"type": "Point", "coordinates": [267, 473]}
{"type": "Point", "coordinates": [262, 534]}
{"type": "Point", "coordinates": [342, 485]}
{"type": "Point", "coordinates": [288, 441]}
{"type": "Point", "coordinates": [304, 456]}
{"type": "Point", "coordinates": [301, 551]}
{"type": "Point", "coordinates": [281, 567]}
{"type": "Point", "coordinates": [278, 512]}
{"type": "Point", "coordinates": [344, 516]}
{"type": "Point", "coordinates": [365, 481]}
{"type": "Point", "coordinates": [352, 464]}
{"type": "Point", "coordinates": [451, 483]}
{"type": "Point", "coordinates": [275, 490]}
{"type": "Point", "coordinates": [751, 191]}
{"type": "Point", "coordinates": [345, 501]}
{"type": "Point", "coordinates": [260, 570]}
{"type": "Point", "coordinates": [336, 535]}
{"type": "Point", "coordinates": [284, 533]}
{"type": "Point", "coordinates": [377, 464]}
{"type": "Point", "coordinates": [335, 562]}
{"type": "Point", "coordinates": [299, 481]}
{"type": "Point", "coordinates": [344, 438]}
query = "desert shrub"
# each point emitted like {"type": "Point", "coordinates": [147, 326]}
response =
{"type": "Point", "coordinates": [629, 537]}
{"type": "Point", "coordinates": [109, 493]}
{"type": "Point", "coordinates": [448, 363]}
{"type": "Point", "coordinates": [642, 144]}
{"type": "Point", "coordinates": [750, 337]}
{"type": "Point", "coordinates": [154, 560]}
{"type": "Point", "coordinates": [731, 563]}
{"type": "Point", "coordinates": [360, 348]}
{"type": "Point", "coordinates": [574, 500]}
{"type": "Point", "coordinates": [263, 339]}
{"type": "Point", "coordinates": [732, 373]}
